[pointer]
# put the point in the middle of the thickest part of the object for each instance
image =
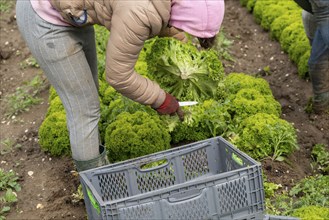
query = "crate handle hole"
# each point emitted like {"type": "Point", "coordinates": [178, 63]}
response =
{"type": "Point", "coordinates": [185, 195]}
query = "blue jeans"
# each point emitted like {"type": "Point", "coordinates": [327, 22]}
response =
{"type": "Point", "coordinates": [320, 42]}
{"type": "Point", "coordinates": [317, 29]}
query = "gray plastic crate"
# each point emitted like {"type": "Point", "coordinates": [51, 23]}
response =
{"type": "Point", "coordinates": [210, 179]}
{"type": "Point", "coordinates": [279, 217]}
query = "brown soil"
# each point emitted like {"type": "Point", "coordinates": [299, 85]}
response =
{"type": "Point", "coordinates": [53, 182]}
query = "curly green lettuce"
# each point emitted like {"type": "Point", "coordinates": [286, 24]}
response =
{"type": "Point", "coordinates": [183, 71]}
{"type": "Point", "coordinates": [312, 212]}
{"type": "Point", "coordinates": [109, 95]}
{"type": "Point", "coordinates": [204, 120]}
{"type": "Point", "coordinates": [54, 136]}
{"type": "Point", "coordinates": [303, 65]}
{"type": "Point", "coordinates": [270, 13]}
{"type": "Point", "coordinates": [249, 4]}
{"type": "Point", "coordinates": [141, 66]}
{"type": "Point", "coordinates": [135, 135]}
{"type": "Point", "coordinates": [248, 102]}
{"type": "Point", "coordinates": [234, 82]}
{"type": "Point", "coordinates": [52, 93]}
{"type": "Point", "coordinates": [124, 104]}
{"type": "Point", "coordinates": [118, 105]}
{"type": "Point", "coordinates": [298, 48]}
{"type": "Point", "coordinates": [101, 38]}
{"type": "Point", "coordinates": [55, 105]}
{"type": "Point", "coordinates": [260, 7]}
{"type": "Point", "coordinates": [280, 23]}
{"type": "Point", "coordinates": [291, 34]}
{"type": "Point", "coordinates": [266, 135]}
{"type": "Point", "coordinates": [102, 88]}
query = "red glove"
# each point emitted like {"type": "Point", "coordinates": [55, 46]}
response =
{"type": "Point", "coordinates": [170, 106]}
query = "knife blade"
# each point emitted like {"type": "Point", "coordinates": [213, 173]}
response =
{"type": "Point", "coordinates": [187, 103]}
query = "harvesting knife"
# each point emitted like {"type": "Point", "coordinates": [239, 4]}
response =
{"type": "Point", "coordinates": [188, 103]}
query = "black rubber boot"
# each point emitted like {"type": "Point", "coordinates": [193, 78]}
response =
{"type": "Point", "coordinates": [89, 199]}
{"type": "Point", "coordinates": [319, 74]}
{"type": "Point", "coordinates": [101, 160]}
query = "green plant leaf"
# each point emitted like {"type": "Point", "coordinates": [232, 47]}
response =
{"type": "Point", "coordinates": [5, 209]}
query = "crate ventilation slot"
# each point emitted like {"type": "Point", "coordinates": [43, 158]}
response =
{"type": "Point", "coordinates": [113, 186]}
{"type": "Point", "coordinates": [144, 211]}
{"type": "Point", "coordinates": [195, 164]}
{"type": "Point", "coordinates": [156, 179]}
{"type": "Point", "coordinates": [232, 195]}
{"type": "Point", "coordinates": [192, 209]}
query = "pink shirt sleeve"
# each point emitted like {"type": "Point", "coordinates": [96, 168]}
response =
{"type": "Point", "coordinates": [44, 9]}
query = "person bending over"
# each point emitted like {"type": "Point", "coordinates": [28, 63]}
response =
{"type": "Point", "coordinates": [60, 35]}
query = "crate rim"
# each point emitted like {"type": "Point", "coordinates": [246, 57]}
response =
{"type": "Point", "coordinates": [127, 164]}
{"type": "Point", "coordinates": [122, 165]}
{"type": "Point", "coordinates": [187, 184]}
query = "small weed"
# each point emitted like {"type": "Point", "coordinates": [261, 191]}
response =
{"type": "Point", "coordinates": [286, 138]}
{"type": "Point", "coordinates": [266, 71]}
{"type": "Point", "coordinates": [7, 146]}
{"type": "Point", "coordinates": [4, 210]}
{"type": "Point", "coordinates": [222, 45]}
{"type": "Point", "coordinates": [10, 196]}
{"type": "Point", "coordinates": [29, 62]}
{"type": "Point", "coordinates": [310, 191]}
{"type": "Point", "coordinates": [8, 180]}
{"type": "Point", "coordinates": [313, 190]}
{"type": "Point", "coordinates": [18, 52]}
{"type": "Point", "coordinates": [270, 188]}
{"type": "Point", "coordinates": [309, 106]}
{"type": "Point", "coordinates": [78, 195]}
{"type": "Point", "coordinates": [279, 204]}
{"type": "Point", "coordinates": [24, 97]}
{"type": "Point", "coordinates": [320, 155]}
{"type": "Point", "coordinates": [9, 187]}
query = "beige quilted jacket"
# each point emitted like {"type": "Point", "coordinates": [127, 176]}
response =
{"type": "Point", "coordinates": [131, 22]}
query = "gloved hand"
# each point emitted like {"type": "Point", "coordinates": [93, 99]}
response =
{"type": "Point", "coordinates": [170, 106]}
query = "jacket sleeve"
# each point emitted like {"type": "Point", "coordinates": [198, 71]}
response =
{"type": "Point", "coordinates": [175, 33]}
{"type": "Point", "coordinates": [305, 4]}
{"type": "Point", "coordinates": [129, 30]}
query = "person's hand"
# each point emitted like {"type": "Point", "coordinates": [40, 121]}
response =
{"type": "Point", "coordinates": [170, 106]}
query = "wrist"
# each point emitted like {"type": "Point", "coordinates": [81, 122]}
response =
{"type": "Point", "coordinates": [160, 100]}
{"type": "Point", "coordinates": [169, 106]}
{"type": "Point", "coordinates": [165, 103]}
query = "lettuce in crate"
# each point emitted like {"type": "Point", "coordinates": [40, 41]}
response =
{"type": "Point", "coordinates": [184, 71]}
